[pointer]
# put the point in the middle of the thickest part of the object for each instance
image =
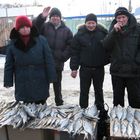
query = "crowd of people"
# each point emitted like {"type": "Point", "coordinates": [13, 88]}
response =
{"type": "Point", "coordinates": [38, 50]}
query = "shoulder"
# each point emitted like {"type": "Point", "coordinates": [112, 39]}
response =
{"type": "Point", "coordinates": [42, 38]}
{"type": "Point", "coordinates": [138, 26]}
{"type": "Point", "coordinates": [102, 28]}
{"type": "Point", "coordinates": [63, 25]}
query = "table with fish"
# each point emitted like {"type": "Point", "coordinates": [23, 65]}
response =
{"type": "Point", "coordinates": [38, 122]}
{"type": "Point", "coordinates": [124, 123]}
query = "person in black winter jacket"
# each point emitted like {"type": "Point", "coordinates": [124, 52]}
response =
{"type": "Point", "coordinates": [29, 63]}
{"type": "Point", "coordinates": [88, 54]}
{"type": "Point", "coordinates": [123, 41]}
{"type": "Point", "coordinates": [59, 37]}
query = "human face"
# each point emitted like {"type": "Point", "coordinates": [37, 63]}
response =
{"type": "Point", "coordinates": [91, 25]}
{"type": "Point", "coordinates": [122, 19]}
{"type": "Point", "coordinates": [25, 30]}
{"type": "Point", "coordinates": [55, 20]}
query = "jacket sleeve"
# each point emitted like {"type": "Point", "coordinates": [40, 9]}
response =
{"type": "Point", "coordinates": [9, 68]}
{"type": "Point", "coordinates": [137, 54]}
{"type": "Point", "coordinates": [109, 40]}
{"type": "Point", "coordinates": [75, 54]}
{"type": "Point", "coordinates": [49, 61]}
{"type": "Point", "coordinates": [39, 22]}
{"type": "Point", "coordinates": [66, 53]}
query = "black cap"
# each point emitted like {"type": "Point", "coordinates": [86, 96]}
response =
{"type": "Point", "coordinates": [55, 11]}
{"type": "Point", "coordinates": [91, 17]}
{"type": "Point", "coordinates": [121, 11]}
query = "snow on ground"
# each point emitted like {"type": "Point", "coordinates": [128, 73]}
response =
{"type": "Point", "coordinates": [70, 87]}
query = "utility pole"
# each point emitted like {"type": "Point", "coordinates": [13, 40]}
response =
{"type": "Point", "coordinates": [130, 6]}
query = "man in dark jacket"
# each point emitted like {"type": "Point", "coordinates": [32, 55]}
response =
{"type": "Point", "coordinates": [88, 53]}
{"type": "Point", "coordinates": [59, 37]}
{"type": "Point", "coordinates": [123, 41]}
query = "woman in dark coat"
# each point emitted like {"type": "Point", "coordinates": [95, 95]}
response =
{"type": "Point", "coordinates": [29, 63]}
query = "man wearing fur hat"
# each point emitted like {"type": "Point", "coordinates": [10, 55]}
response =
{"type": "Point", "coordinates": [59, 37]}
{"type": "Point", "coordinates": [123, 41]}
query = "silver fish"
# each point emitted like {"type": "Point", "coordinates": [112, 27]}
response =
{"type": "Point", "coordinates": [23, 115]}
{"type": "Point", "coordinates": [89, 127]}
{"type": "Point", "coordinates": [137, 115]}
{"type": "Point", "coordinates": [129, 129]}
{"type": "Point", "coordinates": [119, 112]}
{"type": "Point", "coordinates": [92, 111]}
{"type": "Point", "coordinates": [113, 113]}
{"type": "Point", "coordinates": [123, 127]}
{"type": "Point", "coordinates": [136, 129]}
{"type": "Point", "coordinates": [64, 123]}
{"type": "Point", "coordinates": [116, 126]}
{"type": "Point", "coordinates": [77, 127]}
{"type": "Point", "coordinates": [31, 109]}
{"type": "Point", "coordinates": [124, 114]}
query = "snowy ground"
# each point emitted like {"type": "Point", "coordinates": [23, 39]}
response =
{"type": "Point", "coordinates": [70, 88]}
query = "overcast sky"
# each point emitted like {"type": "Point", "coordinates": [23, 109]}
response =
{"type": "Point", "coordinates": [81, 7]}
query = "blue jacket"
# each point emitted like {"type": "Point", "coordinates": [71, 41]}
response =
{"type": "Point", "coordinates": [31, 68]}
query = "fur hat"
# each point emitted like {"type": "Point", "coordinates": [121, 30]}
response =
{"type": "Point", "coordinates": [91, 17]}
{"type": "Point", "coordinates": [121, 11]}
{"type": "Point", "coordinates": [55, 11]}
{"type": "Point", "coordinates": [22, 21]}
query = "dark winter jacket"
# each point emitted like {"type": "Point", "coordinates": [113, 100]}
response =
{"type": "Point", "coordinates": [59, 39]}
{"type": "Point", "coordinates": [31, 68]}
{"type": "Point", "coordinates": [125, 49]}
{"type": "Point", "coordinates": [87, 49]}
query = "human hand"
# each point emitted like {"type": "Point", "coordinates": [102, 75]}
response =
{"type": "Point", "coordinates": [118, 26]}
{"type": "Point", "coordinates": [46, 11]}
{"type": "Point", "coordinates": [74, 73]}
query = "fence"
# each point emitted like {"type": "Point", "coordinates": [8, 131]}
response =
{"type": "Point", "coordinates": [6, 24]}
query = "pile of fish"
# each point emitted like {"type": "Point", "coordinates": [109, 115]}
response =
{"type": "Point", "coordinates": [125, 122]}
{"type": "Point", "coordinates": [70, 118]}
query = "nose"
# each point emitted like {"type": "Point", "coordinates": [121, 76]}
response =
{"type": "Point", "coordinates": [121, 19]}
{"type": "Point", "coordinates": [25, 27]}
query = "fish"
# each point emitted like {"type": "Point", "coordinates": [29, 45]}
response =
{"type": "Point", "coordinates": [136, 128]}
{"type": "Point", "coordinates": [31, 109]}
{"type": "Point", "coordinates": [137, 115]}
{"type": "Point", "coordinates": [123, 127]}
{"type": "Point", "coordinates": [89, 128]}
{"type": "Point", "coordinates": [119, 112]}
{"type": "Point", "coordinates": [129, 117]}
{"type": "Point", "coordinates": [129, 129]}
{"type": "Point", "coordinates": [77, 127]}
{"type": "Point", "coordinates": [112, 113]}
{"type": "Point", "coordinates": [23, 115]}
{"type": "Point", "coordinates": [17, 122]}
{"type": "Point", "coordinates": [124, 114]}
{"type": "Point", "coordinates": [116, 126]}
{"type": "Point", "coordinates": [64, 123]}
{"type": "Point", "coordinates": [92, 111]}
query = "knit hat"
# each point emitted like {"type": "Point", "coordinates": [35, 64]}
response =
{"type": "Point", "coordinates": [55, 11]}
{"type": "Point", "coordinates": [121, 11]}
{"type": "Point", "coordinates": [91, 17]}
{"type": "Point", "coordinates": [22, 21]}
